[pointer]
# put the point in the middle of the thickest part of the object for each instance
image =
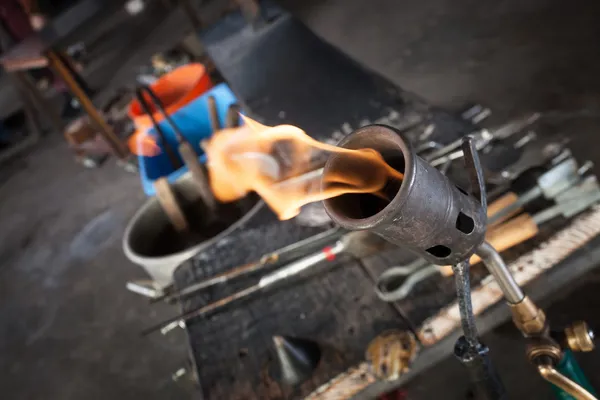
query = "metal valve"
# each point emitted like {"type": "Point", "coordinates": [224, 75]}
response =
{"type": "Point", "coordinates": [579, 337]}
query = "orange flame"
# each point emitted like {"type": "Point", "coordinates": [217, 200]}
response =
{"type": "Point", "coordinates": [255, 157]}
{"type": "Point", "coordinates": [143, 144]}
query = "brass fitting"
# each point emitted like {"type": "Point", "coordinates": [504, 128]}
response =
{"type": "Point", "coordinates": [540, 347]}
{"type": "Point", "coordinates": [579, 337]}
{"type": "Point", "coordinates": [545, 353]}
{"type": "Point", "coordinates": [528, 318]}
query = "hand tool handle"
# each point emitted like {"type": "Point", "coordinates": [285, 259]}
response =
{"type": "Point", "coordinates": [190, 159]}
{"type": "Point", "coordinates": [501, 204]}
{"type": "Point", "coordinates": [169, 204]}
{"type": "Point", "coordinates": [232, 119]}
{"type": "Point", "coordinates": [213, 114]}
{"type": "Point", "coordinates": [510, 234]}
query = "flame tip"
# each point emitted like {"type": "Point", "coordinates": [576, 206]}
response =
{"type": "Point", "coordinates": [245, 159]}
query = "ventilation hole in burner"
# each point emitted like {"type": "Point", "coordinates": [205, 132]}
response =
{"type": "Point", "coordinates": [439, 251]}
{"type": "Point", "coordinates": [464, 223]}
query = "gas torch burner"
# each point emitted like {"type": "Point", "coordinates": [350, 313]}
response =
{"type": "Point", "coordinates": [446, 225]}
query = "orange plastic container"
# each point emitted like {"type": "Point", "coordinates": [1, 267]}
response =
{"type": "Point", "coordinates": [175, 89]}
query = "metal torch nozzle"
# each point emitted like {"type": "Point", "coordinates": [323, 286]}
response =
{"type": "Point", "coordinates": [426, 213]}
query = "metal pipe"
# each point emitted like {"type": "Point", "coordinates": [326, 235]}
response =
{"type": "Point", "coordinates": [465, 306]}
{"type": "Point", "coordinates": [497, 267]}
{"type": "Point", "coordinates": [550, 374]}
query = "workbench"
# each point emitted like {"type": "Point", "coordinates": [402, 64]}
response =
{"type": "Point", "coordinates": [282, 73]}
{"type": "Point", "coordinates": [44, 49]}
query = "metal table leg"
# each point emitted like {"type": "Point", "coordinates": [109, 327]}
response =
{"type": "Point", "coordinates": [58, 64]}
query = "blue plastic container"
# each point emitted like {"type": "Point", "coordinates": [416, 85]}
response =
{"type": "Point", "coordinates": [194, 123]}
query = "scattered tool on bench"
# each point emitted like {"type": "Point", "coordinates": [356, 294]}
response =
{"type": "Point", "coordinates": [356, 244]}
{"type": "Point", "coordinates": [553, 182]}
{"type": "Point", "coordinates": [285, 254]}
{"type": "Point", "coordinates": [297, 359]}
{"type": "Point", "coordinates": [432, 217]}
{"type": "Point", "coordinates": [481, 139]}
{"type": "Point", "coordinates": [186, 150]}
{"type": "Point", "coordinates": [534, 155]}
{"type": "Point", "coordinates": [166, 145]}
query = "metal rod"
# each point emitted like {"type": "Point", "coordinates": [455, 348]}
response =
{"type": "Point", "coordinates": [161, 108]}
{"type": "Point", "coordinates": [266, 260]}
{"type": "Point", "coordinates": [171, 153]}
{"type": "Point", "coordinates": [473, 165]}
{"type": "Point", "coordinates": [465, 306]}
{"type": "Point", "coordinates": [187, 152]}
{"type": "Point", "coordinates": [550, 374]}
{"type": "Point", "coordinates": [496, 266]}
{"type": "Point", "coordinates": [266, 281]}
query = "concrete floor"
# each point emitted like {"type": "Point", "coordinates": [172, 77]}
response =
{"type": "Point", "coordinates": [68, 328]}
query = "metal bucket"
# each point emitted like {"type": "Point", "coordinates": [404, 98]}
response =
{"type": "Point", "coordinates": [151, 241]}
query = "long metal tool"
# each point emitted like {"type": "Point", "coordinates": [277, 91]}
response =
{"type": "Point", "coordinates": [481, 139]}
{"type": "Point", "coordinates": [284, 254]}
{"type": "Point", "coordinates": [553, 182]}
{"type": "Point", "coordinates": [357, 244]}
{"type": "Point", "coordinates": [170, 152]}
{"type": "Point", "coordinates": [187, 152]}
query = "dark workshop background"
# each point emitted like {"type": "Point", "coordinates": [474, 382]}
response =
{"type": "Point", "coordinates": [69, 329]}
